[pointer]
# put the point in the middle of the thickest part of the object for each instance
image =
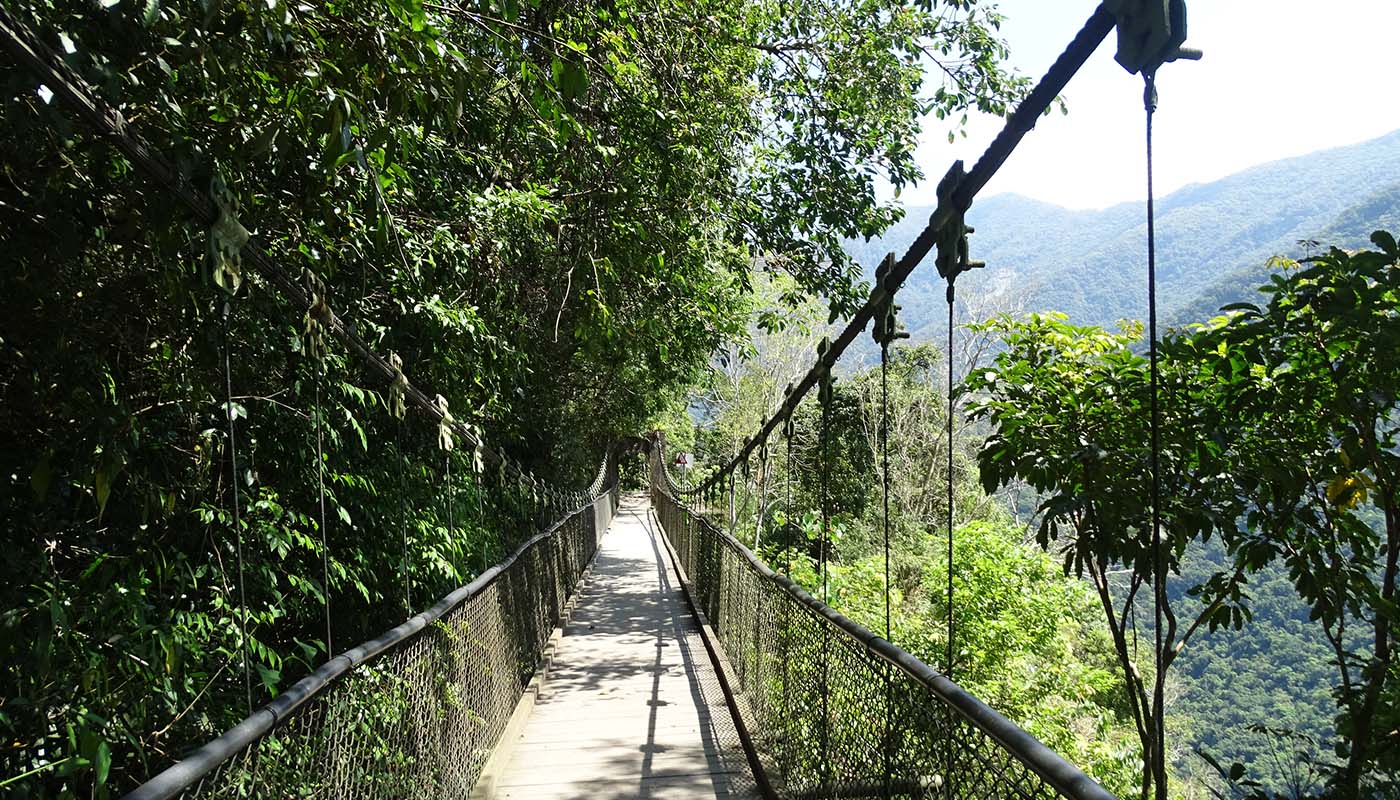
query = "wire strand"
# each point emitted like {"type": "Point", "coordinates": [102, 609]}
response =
{"type": "Point", "coordinates": [826, 497]}
{"type": "Point", "coordinates": [948, 655]}
{"type": "Point", "coordinates": [885, 487]}
{"type": "Point", "coordinates": [406, 565]}
{"type": "Point", "coordinates": [1159, 561]}
{"type": "Point", "coordinates": [447, 499]}
{"type": "Point", "coordinates": [789, 527]}
{"type": "Point", "coordinates": [321, 498]}
{"type": "Point", "coordinates": [237, 522]}
{"type": "Point", "coordinates": [885, 470]}
{"type": "Point", "coordinates": [787, 512]}
{"type": "Point", "coordinates": [487, 546]}
{"type": "Point", "coordinates": [949, 358]}
{"type": "Point", "coordinates": [826, 596]}
{"type": "Point", "coordinates": [762, 496]}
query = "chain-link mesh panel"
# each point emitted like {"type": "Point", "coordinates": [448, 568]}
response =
{"type": "Point", "coordinates": [836, 711]}
{"type": "Point", "coordinates": [416, 713]}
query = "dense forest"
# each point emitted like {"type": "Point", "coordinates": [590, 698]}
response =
{"type": "Point", "coordinates": [1040, 256]}
{"type": "Point", "coordinates": [545, 211]}
{"type": "Point", "coordinates": [569, 223]}
{"type": "Point", "coordinates": [1274, 661]}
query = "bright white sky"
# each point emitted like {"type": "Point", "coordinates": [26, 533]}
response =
{"type": "Point", "coordinates": [1280, 78]}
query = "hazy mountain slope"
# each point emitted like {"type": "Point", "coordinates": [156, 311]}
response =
{"type": "Point", "coordinates": [1213, 239]}
{"type": "Point", "coordinates": [1353, 228]}
{"type": "Point", "coordinates": [1349, 230]}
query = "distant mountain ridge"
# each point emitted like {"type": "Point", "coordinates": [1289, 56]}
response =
{"type": "Point", "coordinates": [1213, 239]}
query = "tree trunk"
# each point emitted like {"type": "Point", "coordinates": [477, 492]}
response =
{"type": "Point", "coordinates": [1363, 720]}
{"type": "Point", "coordinates": [1132, 684]}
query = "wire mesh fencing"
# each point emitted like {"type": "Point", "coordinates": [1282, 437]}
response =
{"type": "Point", "coordinates": [417, 711]}
{"type": "Point", "coordinates": [836, 711]}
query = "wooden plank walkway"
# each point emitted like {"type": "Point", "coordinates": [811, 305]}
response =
{"type": "Point", "coordinates": [631, 706]}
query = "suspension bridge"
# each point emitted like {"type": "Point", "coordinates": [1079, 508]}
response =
{"type": "Point", "coordinates": [633, 646]}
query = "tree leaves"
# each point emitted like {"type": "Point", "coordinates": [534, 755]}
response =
{"type": "Point", "coordinates": [551, 212]}
{"type": "Point", "coordinates": [1313, 422]}
{"type": "Point", "coordinates": [1279, 426]}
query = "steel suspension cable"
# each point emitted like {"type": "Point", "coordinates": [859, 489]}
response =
{"type": "Point", "coordinates": [762, 493]}
{"type": "Point", "coordinates": [487, 547]}
{"type": "Point", "coordinates": [1149, 98]}
{"type": "Point", "coordinates": [447, 504]}
{"type": "Point", "coordinates": [406, 565]}
{"type": "Point", "coordinates": [885, 470]}
{"type": "Point", "coordinates": [237, 522]}
{"type": "Point", "coordinates": [786, 640]}
{"type": "Point", "coordinates": [949, 358]}
{"type": "Point", "coordinates": [825, 496]}
{"type": "Point", "coordinates": [739, 491]}
{"type": "Point", "coordinates": [948, 753]}
{"type": "Point", "coordinates": [757, 534]}
{"type": "Point", "coordinates": [826, 398]}
{"type": "Point", "coordinates": [787, 505]}
{"type": "Point", "coordinates": [885, 486]}
{"type": "Point", "coordinates": [321, 499]}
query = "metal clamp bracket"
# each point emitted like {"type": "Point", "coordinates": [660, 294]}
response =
{"type": "Point", "coordinates": [952, 258]}
{"type": "Point", "coordinates": [398, 387]}
{"type": "Point", "coordinates": [824, 379]}
{"type": "Point", "coordinates": [1150, 33]}
{"type": "Point", "coordinates": [444, 425]}
{"type": "Point", "coordinates": [886, 329]}
{"type": "Point", "coordinates": [227, 236]}
{"type": "Point", "coordinates": [790, 411]}
{"type": "Point", "coordinates": [317, 318]}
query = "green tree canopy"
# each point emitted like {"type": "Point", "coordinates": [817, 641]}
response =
{"type": "Point", "coordinates": [549, 210]}
{"type": "Point", "coordinates": [1307, 394]}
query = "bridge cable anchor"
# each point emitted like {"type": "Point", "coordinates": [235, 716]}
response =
{"type": "Point", "coordinates": [227, 237]}
{"type": "Point", "coordinates": [886, 329]}
{"type": "Point", "coordinates": [317, 318]}
{"type": "Point", "coordinates": [823, 370]}
{"type": "Point", "coordinates": [398, 387]}
{"type": "Point", "coordinates": [952, 259]}
{"type": "Point", "coordinates": [444, 425]}
{"type": "Point", "coordinates": [788, 411]}
{"type": "Point", "coordinates": [1150, 33]}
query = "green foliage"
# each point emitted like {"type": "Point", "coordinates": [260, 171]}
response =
{"type": "Point", "coordinates": [1278, 458]}
{"type": "Point", "coordinates": [1275, 671]}
{"type": "Point", "coordinates": [1024, 636]}
{"type": "Point", "coordinates": [840, 83]}
{"type": "Point", "coordinates": [1025, 639]}
{"type": "Point", "coordinates": [549, 211]}
{"type": "Point", "coordinates": [1070, 413]}
{"type": "Point", "coordinates": [1308, 387]}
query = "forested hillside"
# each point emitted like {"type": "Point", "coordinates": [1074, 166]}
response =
{"type": "Point", "coordinates": [1214, 240]}
{"type": "Point", "coordinates": [1258, 634]}
{"type": "Point", "coordinates": [1274, 673]}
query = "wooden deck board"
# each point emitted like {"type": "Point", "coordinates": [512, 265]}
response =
{"type": "Point", "coordinates": [631, 706]}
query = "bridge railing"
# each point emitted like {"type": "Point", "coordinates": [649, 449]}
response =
{"type": "Point", "coordinates": [836, 711]}
{"type": "Point", "coordinates": [415, 712]}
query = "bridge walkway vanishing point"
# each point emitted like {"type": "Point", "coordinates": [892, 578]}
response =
{"type": "Point", "coordinates": [631, 705]}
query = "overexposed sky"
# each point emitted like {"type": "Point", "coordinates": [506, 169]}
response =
{"type": "Point", "coordinates": [1280, 78]}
